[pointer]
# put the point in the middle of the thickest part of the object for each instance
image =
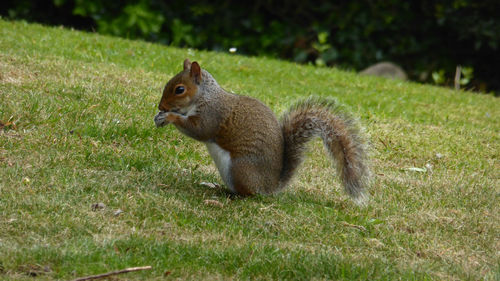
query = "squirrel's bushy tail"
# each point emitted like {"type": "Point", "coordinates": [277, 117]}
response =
{"type": "Point", "coordinates": [340, 135]}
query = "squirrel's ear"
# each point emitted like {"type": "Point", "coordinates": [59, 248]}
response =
{"type": "Point", "coordinates": [195, 72]}
{"type": "Point", "coordinates": [187, 64]}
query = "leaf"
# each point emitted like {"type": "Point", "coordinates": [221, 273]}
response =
{"type": "Point", "coordinates": [323, 37]}
{"type": "Point", "coordinates": [375, 221]}
{"type": "Point", "coordinates": [438, 76]}
{"type": "Point", "coordinates": [9, 125]}
{"type": "Point", "coordinates": [214, 203]}
{"type": "Point", "coordinates": [415, 169]}
{"type": "Point", "coordinates": [209, 184]}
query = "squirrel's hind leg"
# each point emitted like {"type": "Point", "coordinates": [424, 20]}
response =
{"type": "Point", "coordinates": [244, 177]}
{"type": "Point", "coordinates": [249, 177]}
{"type": "Point", "coordinates": [237, 175]}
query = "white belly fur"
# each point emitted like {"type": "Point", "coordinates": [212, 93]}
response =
{"type": "Point", "coordinates": [222, 160]}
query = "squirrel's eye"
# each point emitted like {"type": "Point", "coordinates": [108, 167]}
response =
{"type": "Point", "coordinates": [179, 90]}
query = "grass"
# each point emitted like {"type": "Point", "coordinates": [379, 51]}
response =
{"type": "Point", "coordinates": [77, 112]}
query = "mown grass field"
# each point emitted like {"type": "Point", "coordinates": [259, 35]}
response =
{"type": "Point", "coordinates": [77, 129]}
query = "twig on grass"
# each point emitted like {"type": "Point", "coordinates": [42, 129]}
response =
{"type": "Point", "coordinates": [359, 227]}
{"type": "Point", "coordinates": [126, 270]}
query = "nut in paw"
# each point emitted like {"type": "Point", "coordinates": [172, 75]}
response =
{"type": "Point", "coordinates": [160, 119]}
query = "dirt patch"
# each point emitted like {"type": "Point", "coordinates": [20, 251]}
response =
{"type": "Point", "coordinates": [34, 269]}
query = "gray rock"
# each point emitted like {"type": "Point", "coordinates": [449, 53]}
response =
{"type": "Point", "coordinates": [385, 69]}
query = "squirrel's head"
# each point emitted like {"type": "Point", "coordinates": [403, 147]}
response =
{"type": "Point", "coordinates": [180, 91]}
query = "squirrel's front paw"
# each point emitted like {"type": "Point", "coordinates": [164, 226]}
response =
{"type": "Point", "coordinates": [164, 118]}
{"type": "Point", "coordinates": [172, 117]}
{"type": "Point", "coordinates": [161, 119]}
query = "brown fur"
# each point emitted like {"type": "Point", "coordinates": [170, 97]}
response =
{"type": "Point", "coordinates": [263, 153]}
{"type": "Point", "coordinates": [171, 101]}
{"type": "Point", "coordinates": [245, 133]}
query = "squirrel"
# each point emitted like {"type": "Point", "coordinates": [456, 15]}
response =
{"type": "Point", "coordinates": [253, 151]}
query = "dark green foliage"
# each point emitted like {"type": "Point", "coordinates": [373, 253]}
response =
{"type": "Point", "coordinates": [425, 37]}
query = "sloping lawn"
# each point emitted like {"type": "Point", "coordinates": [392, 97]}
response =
{"type": "Point", "coordinates": [76, 112]}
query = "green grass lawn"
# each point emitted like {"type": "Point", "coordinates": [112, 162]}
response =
{"type": "Point", "coordinates": [77, 114]}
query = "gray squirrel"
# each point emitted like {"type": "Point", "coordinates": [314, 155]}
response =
{"type": "Point", "coordinates": [254, 152]}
